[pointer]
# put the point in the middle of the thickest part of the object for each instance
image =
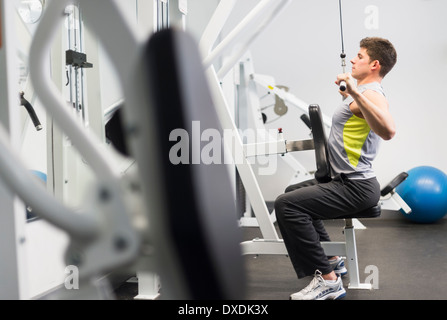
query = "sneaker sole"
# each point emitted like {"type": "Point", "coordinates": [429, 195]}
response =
{"type": "Point", "coordinates": [334, 296]}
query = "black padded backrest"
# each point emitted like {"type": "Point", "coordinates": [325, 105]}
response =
{"type": "Point", "coordinates": [323, 173]}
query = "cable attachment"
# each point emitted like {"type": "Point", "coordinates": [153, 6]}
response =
{"type": "Point", "coordinates": [343, 65]}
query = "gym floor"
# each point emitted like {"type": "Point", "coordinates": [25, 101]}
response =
{"type": "Point", "coordinates": [410, 259]}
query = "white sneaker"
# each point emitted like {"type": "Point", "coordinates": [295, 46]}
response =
{"type": "Point", "coordinates": [320, 289]}
{"type": "Point", "coordinates": [339, 267]}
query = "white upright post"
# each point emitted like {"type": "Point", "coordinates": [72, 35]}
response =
{"type": "Point", "coordinates": [148, 286]}
{"type": "Point", "coordinates": [352, 259]}
{"type": "Point", "coordinates": [149, 283]}
{"type": "Point", "coordinates": [178, 10]}
{"type": "Point", "coordinates": [12, 211]}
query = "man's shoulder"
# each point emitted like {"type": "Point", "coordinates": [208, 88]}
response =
{"type": "Point", "coordinates": [372, 88]}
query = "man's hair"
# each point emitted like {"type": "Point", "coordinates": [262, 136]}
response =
{"type": "Point", "coordinates": [382, 50]}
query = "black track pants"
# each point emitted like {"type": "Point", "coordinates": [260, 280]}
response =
{"type": "Point", "coordinates": [302, 208]}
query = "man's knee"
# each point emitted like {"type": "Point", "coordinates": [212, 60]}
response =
{"type": "Point", "coordinates": [288, 211]}
{"type": "Point", "coordinates": [280, 204]}
{"type": "Point", "coordinates": [285, 205]}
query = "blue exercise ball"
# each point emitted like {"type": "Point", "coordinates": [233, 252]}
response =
{"type": "Point", "coordinates": [39, 174]}
{"type": "Point", "coordinates": [425, 191]}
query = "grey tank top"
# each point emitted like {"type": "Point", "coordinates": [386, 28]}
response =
{"type": "Point", "coordinates": [352, 145]}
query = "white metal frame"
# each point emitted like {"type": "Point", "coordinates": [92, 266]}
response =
{"type": "Point", "coordinates": [106, 218]}
{"type": "Point", "coordinates": [246, 28]}
{"type": "Point", "coordinates": [12, 222]}
{"type": "Point", "coordinates": [247, 85]}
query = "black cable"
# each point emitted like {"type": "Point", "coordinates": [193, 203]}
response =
{"type": "Point", "coordinates": [341, 28]}
{"type": "Point", "coordinates": [343, 54]}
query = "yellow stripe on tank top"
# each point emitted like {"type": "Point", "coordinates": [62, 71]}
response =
{"type": "Point", "coordinates": [355, 133]}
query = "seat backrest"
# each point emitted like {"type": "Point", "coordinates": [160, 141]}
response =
{"type": "Point", "coordinates": [323, 173]}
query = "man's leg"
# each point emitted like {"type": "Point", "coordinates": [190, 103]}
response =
{"type": "Point", "coordinates": [299, 213]}
{"type": "Point", "coordinates": [318, 224]}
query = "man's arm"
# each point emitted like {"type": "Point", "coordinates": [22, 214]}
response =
{"type": "Point", "coordinates": [373, 107]}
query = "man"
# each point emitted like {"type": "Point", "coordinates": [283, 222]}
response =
{"type": "Point", "coordinates": [358, 125]}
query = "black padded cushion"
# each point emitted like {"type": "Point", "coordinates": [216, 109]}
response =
{"type": "Point", "coordinates": [199, 225]}
{"type": "Point", "coordinates": [323, 173]}
{"type": "Point", "coordinates": [373, 212]}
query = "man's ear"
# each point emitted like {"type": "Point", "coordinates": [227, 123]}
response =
{"type": "Point", "coordinates": [375, 65]}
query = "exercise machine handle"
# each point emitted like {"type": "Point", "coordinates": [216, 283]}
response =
{"type": "Point", "coordinates": [305, 118]}
{"type": "Point", "coordinates": [31, 111]}
{"type": "Point", "coordinates": [342, 85]}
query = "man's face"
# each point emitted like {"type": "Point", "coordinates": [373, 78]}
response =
{"type": "Point", "coordinates": [361, 65]}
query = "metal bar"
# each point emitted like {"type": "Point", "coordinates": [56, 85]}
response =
{"type": "Point", "coordinates": [352, 260]}
{"type": "Point", "coordinates": [238, 32]}
{"type": "Point", "coordinates": [300, 145]}
{"type": "Point", "coordinates": [243, 166]}
{"type": "Point", "coordinates": [281, 6]}
{"type": "Point", "coordinates": [215, 26]}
